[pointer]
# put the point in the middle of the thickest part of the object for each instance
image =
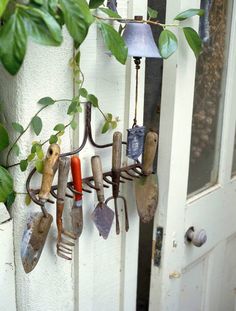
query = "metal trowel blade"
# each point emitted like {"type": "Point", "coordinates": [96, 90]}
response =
{"type": "Point", "coordinates": [103, 217]}
{"type": "Point", "coordinates": [33, 239]}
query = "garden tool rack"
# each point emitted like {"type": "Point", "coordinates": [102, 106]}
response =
{"type": "Point", "coordinates": [127, 173]}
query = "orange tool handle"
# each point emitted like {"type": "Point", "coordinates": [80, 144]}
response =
{"type": "Point", "coordinates": [77, 176]}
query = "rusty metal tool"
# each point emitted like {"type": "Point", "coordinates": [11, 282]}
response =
{"type": "Point", "coordinates": [76, 211]}
{"type": "Point", "coordinates": [38, 224]}
{"type": "Point", "coordinates": [63, 244]}
{"type": "Point", "coordinates": [116, 174]}
{"type": "Point", "coordinates": [102, 216]}
{"type": "Point", "coordinates": [146, 187]}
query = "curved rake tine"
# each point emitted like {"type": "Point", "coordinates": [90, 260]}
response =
{"type": "Point", "coordinates": [117, 217]}
{"type": "Point", "coordinates": [88, 183]}
{"type": "Point", "coordinates": [63, 256]}
{"type": "Point", "coordinates": [66, 242]}
{"type": "Point", "coordinates": [69, 234]}
{"type": "Point", "coordinates": [86, 190]}
{"type": "Point", "coordinates": [73, 190]}
{"type": "Point", "coordinates": [50, 201]}
{"type": "Point", "coordinates": [53, 193]}
{"type": "Point", "coordinates": [63, 246]}
{"type": "Point", "coordinates": [108, 181]}
{"type": "Point", "coordinates": [69, 252]}
{"type": "Point", "coordinates": [137, 171]}
{"type": "Point", "coordinates": [132, 175]}
{"type": "Point", "coordinates": [105, 186]}
{"type": "Point", "coordinates": [127, 178]}
{"type": "Point", "coordinates": [122, 181]}
{"type": "Point", "coordinates": [69, 196]}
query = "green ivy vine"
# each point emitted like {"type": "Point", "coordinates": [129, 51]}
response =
{"type": "Point", "coordinates": [41, 21]}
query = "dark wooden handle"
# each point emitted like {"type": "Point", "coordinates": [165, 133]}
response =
{"type": "Point", "coordinates": [116, 151]}
{"type": "Point", "coordinates": [150, 147]}
{"type": "Point", "coordinates": [49, 170]}
{"type": "Point", "coordinates": [98, 177]}
{"type": "Point", "coordinates": [63, 171]}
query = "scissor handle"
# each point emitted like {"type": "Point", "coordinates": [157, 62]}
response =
{"type": "Point", "coordinates": [77, 176]}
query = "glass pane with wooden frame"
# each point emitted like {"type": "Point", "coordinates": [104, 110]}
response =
{"type": "Point", "coordinates": [211, 70]}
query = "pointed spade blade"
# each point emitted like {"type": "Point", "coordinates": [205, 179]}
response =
{"type": "Point", "coordinates": [103, 217]}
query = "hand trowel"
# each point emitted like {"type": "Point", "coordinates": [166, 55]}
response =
{"type": "Point", "coordinates": [38, 224]}
{"type": "Point", "coordinates": [102, 216]}
{"type": "Point", "coordinates": [146, 187]}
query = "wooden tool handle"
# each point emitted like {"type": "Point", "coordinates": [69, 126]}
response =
{"type": "Point", "coordinates": [98, 177]}
{"type": "Point", "coordinates": [63, 171]}
{"type": "Point", "coordinates": [116, 151]}
{"type": "Point", "coordinates": [49, 170]}
{"type": "Point", "coordinates": [150, 147]}
{"type": "Point", "coordinates": [77, 176]}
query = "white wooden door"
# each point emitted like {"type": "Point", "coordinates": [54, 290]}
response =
{"type": "Point", "coordinates": [192, 278]}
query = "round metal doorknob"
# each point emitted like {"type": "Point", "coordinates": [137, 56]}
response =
{"type": "Point", "coordinates": [197, 238]}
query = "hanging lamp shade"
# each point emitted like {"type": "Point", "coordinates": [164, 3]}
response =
{"type": "Point", "coordinates": [139, 40]}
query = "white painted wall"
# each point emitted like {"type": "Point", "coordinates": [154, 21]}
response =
{"type": "Point", "coordinates": [103, 274]}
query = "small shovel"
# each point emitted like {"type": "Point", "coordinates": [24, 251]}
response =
{"type": "Point", "coordinates": [39, 223]}
{"type": "Point", "coordinates": [102, 216]}
{"type": "Point", "coordinates": [146, 187]}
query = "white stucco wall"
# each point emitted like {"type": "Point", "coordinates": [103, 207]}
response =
{"type": "Point", "coordinates": [102, 274]}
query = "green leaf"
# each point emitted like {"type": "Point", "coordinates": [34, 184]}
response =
{"type": "Point", "coordinates": [31, 157]}
{"type": "Point", "coordinates": [27, 199]}
{"type": "Point", "coordinates": [189, 13]}
{"type": "Point", "coordinates": [73, 124]}
{"type": "Point", "coordinates": [13, 41]}
{"type": "Point", "coordinates": [74, 107]}
{"type": "Point", "coordinates": [77, 58]}
{"type": "Point", "coordinates": [83, 92]}
{"type": "Point", "coordinates": [193, 40]}
{"type": "Point", "coordinates": [105, 127]}
{"type": "Point", "coordinates": [93, 100]}
{"type": "Point", "coordinates": [40, 153]}
{"type": "Point", "coordinates": [42, 27]}
{"type": "Point", "coordinates": [10, 199]}
{"type": "Point", "coordinates": [59, 127]}
{"type": "Point", "coordinates": [4, 138]}
{"type": "Point", "coordinates": [167, 43]}
{"type": "Point", "coordinates": [23, 165]}
{"type": "Point", "coordinates": [110, 13]}
{"type": "Point", "coordinates": [46, 101]}
{"type": "Point", "coordinates": [53, 139]}
{"type": "Point", "coordinates": [78, 18]}
{"type": "Point", "coordinates": [39, 166]}
{"type": "Point", "coordinates": [152, 13]}
{"type": "Point", "coordinates": [3, 5]}
{"type": "Point", "coordinates": [6, 184]}
{"type": "Point", "coordinates": [16, 149]}
{"type": "Point", "coordinates": [93, 4]}
{"type": "Point", "coordinates": [114, 42]}
{"type": "Point", "coordinates": [34, 146]}
{"type": "Point", "coordinates": [109, 116]}
{"type": "Point", "coordinates": [113, 124]}
{"type": "Point", "coordinates": [37, 125]}
{"type": "Point", "coordinates": [18, 127]}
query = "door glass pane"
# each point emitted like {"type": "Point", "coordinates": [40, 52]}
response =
{"type": "Point", "coordinates": [209, 95]}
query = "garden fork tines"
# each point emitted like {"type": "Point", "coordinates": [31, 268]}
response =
{"type": "Point", "coordinates": [116, 174]}
{"type": "Point", "coordinates": [64, 245]}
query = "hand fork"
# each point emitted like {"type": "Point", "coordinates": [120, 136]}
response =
{"type": "Point", "coordinates": [116, 174]}
{"type": "Point", "coordinates": [63, 245]}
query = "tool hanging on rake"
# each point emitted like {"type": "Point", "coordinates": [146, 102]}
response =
{"type": "Point", "coordinates": [63, 244]}
{"type": "Point", "coordinates": [116, 174]}
{"type": "Point", "coordinates": [38, 225]}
